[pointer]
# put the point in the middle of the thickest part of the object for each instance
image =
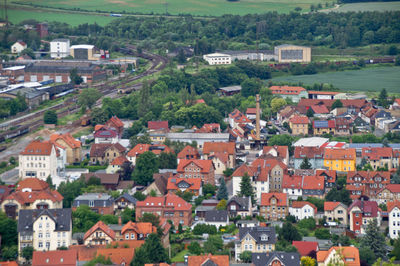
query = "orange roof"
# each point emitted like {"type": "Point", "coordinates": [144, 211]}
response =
{"type": "Point", "coordinates": [119, 160]}
{"type": "Point", "coordinates": [220, 260]}
{"type": "Point", "coordinates": [313, 182]}
{"type": "Point", "coordinates": [292, 181]}
{"type": "Point", "coordinates": [305, 247]}
{"type": "Point", "coordinates": [351, 256]}
{"type": "Point", "coordinates": [394, 188]}
{"type": "Point", "coordinates": [103, 227]}
{"type": "Point", "coordinates": [251, 111]}
{"type": "Point", "coordinates": [139, 228]}
{"type": "Point", "coordinates": [368, 177]}
{"type": "Point", "coordinates": [168, 201]}
{"type": "Point", "coordinates": [33, 183]}
{"type": "Point", "coordinates": [205, 165]}
{"type": "Point", "coordinates": [301, 204]}
{"type": "Point", "coordinates": [56, 257]}
{"type": "Point", "coordinates": [37, 147]}
{"type": "Point", "coordinates": [282, 151]}
{"type": "Point", "coordinates": [213, 147]}
{"type": "Point", "coordinates": [86, 253]}
{"type": "Point", "coordinates": [330, 205]}
{"type": "Point", "coordinates": [238, 117]}
{"type": "Point", "coordinates": [155, 148]}
{"type": "Point", "coordinates": [30, 197]}
{"type": "Point", "coordinates": [129, 243]}
{"type": "Point", "coordinates": [157, 264]}
{"type": "Point", "coordinates": [244, 168]}
{"type": "Point", "coordinates": [98, 127]}
{"type": "Point", "coordinates": [188, 152]}
{"type": "Point", "coordinates": [8, 263]}
{"type": "Point", "coordinates": [340, 154]}
{"type": "Point", "coordinates": [377, 153]}
{"type": "Point", "coordinates": [280, 197]}
{"type": "Point", "coordinates": [392, 204]}
{"type": "Point", "coordinates": [194, 183]}
{"type": "Point", "coordinates": [118, 255]}
{"type": "Point", "coordinates": [299, 119]}
{"type": "Point", "coordinates": [286, 90]}
{"type": "Point", "coordinates": [115, 121]}
{"type": "Point", "coordinates": [324, 92]}
{"type": "Point", "coordinates": [208, 128]}
{"type": "Point", "coordinates": [67, 137]}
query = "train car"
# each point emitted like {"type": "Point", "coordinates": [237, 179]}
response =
{"type": "Point", "coordinates": [115, 15]}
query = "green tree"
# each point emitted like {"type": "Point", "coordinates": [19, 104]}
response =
{"type": "Point", "coordinates": [250, 87]}
{"type": "Point", "coordinates": [337, 104]}
{"type": "Point", "coordinates": [396, 249]}
{"type": "Point", "coordinates": [140, 257]}
{"type": "Point", "coordinates": [146, 166]}
{"type": "Point", "coordinates": [49, 181]}
{"type": "Point", "coordinates": [289, 233]}
{"type": "Point", "coordinates": [83, 218]}
{"type": "Point", "coordinates": [151, 251]}
{"type": "Point", "coordinates": [214, 244]}
{"type": "Point", "coordinates": [8, 231]}
{"type": "Point", "coordinates": [50, 117]}
{"type": "Point", "coordinates": [99, 260]}
{"type": "Point", "coordinates": [222, 190]}
{"type": "Point", "coordinates": [307, 261]}
{"type": "Point", "coordinates": [310, 113]}
{"type": "Point", "coordinates": [305, 164]}
{"type": "Point", "coordinates": [167, 160]}
{"type": "Point", "coordinates": [145, 104]}
{"type": "Point", "coordinates": [71, 190]}
{"type": "Point", "coordinates": [322, 233]}
{"type": "Point", "coordinates": [342, 195]}
{"type": "Point", "coordinates": [221, 205]}
{"type": "Point", "coordinates": [139, 196]}
{"type": "Point", "coordinates": [144, 139]}
{"type": "Point", "coordinates": [246, 188]}
{"type": "Point", "coordinates": [228, 172]}
{"type": "Point", "coordinates": [9, 253]}
{"type": "Point", "coordinates": [245, 256]}
{"type": "Point", "coordinates": [308, 223]}
{"type": "Point", "coordinates": [88, 97]}
{"type": "Point", "coordinates": [277, 104]}
{"type": "Point", "coordinates": [27, 253]}
{"type": "Point", "coordinates": [374, 240]}
{"type": "Point", "coordinates": [109, 219]}
{"type": "Point", "coordinates": [382, 99]}
{"type": "Point", "coordinates": [195, 248]}
{"type": "Point", "coordinates": [150, 218]}
{"type": "Point", "coordinates": [367, 255]}
{"type": "Point", "coordinates": [98, 116]}
{"type": "Point", "coordinates": [209, 189]}
{"type": "Point", "coordinates": [127, 215]}
{"type": "Point", "coordinates": [187, 195]}
{"type": "Point", "coordinates": [75, 78]}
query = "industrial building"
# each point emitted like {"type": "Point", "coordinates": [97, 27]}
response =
{"type": "Point", "coordinates": [59, 48]}
{"type": "Point", "coordinates": [287, 53]}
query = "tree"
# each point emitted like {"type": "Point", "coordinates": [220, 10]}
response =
{"type": "Point", "coordinates": [246, 188]}
{"type": "Point", "coordinates": [322, 233]}
{"type": "Point", "coordinates": [144, 139]}
{"type": "Point", "coordinates": [396, 249]}
{"type": "Point", "coordinates": [310, 113]}
{"type": "Point", "coordinates": [289, 233]}
{"type": "Point", "coordinates": [140, 257]}
{"type": "Point", "coordinates": [195, 248]}
{"type": "Point", "coordinates": [126, 171]}
{"type": "Point", "coordinates": [187, 195]}
{"type": "Point", "coordinates": [109, 219]}
{"type": "Point", "coordinates": [250, 87]}
{"type": "Point", "coordinates": [12, 160]}
{"type": "Point", "coordinates": [146, 166]}
{"type": "Point", "coordinates": [9, 252]}
{"type": "Point", "coordinates": [75, 78]}
{"type": "Point", "coordinates": [308, 223]}
{"type": "Point", "coordinates": [367, 256]}
{"type": "Point", "coordinates": [307, 261]}
{"type": "Point", "coordinates": [374, 240]}
{"type": "Point", "coordinates": [213, 244]}
{"type": "Point", "coordinates": [83, 218]}
{"type": "Point", "coordinates": [49, 181]}
{"type": "Point", "coordinates": [222, 190]}
{"type": "Point", "coordinates": [50, 117]}
{"type": "Point", "coordinates": [27, 253]}
{"type": "Point", "coordinates": [71, 190]}
{"type": "Point", "coordinates": [209, 189]}
{"type": "Point", "coordinates": [342, 195]}
{"type": "Point", "coordinates": [228, 172]}
{"type": "Point", "coordinates": [150, 218]}
{"type": "Point", "coordinates": [127, 215]}
{"type": "Point", "coordinates": [382, 99]}
{"type": "Point", "coordinates": [8, 231]}
{"type": "Point", "coordinates": [167, 160]}
{"type": "Point", "coordinates": [277, 103]}
{"type": "Point", "coordinates": [139, 196]}
{"type": "Point", "coordinates": [245, 256]}
{"type": "Point", "coordinates": [221, 205]}
{"type": "Point", "coordinates": [28, 52]}
{"type": "Point", "coordinates": [305, 164]}
{"type": "Point", "coordinates": [151, 251]}
{"type": "Point", "coordinates": [99, 260]}
{"type": "Point", "coordinates": [337, 104]}
{"type": "Point", "coordinates": [200, 229]}
{"type": "Point", "coordinates": [98, 116]}
{"type": "Point", "coordinates": [88, 97]}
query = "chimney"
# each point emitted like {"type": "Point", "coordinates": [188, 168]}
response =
{"type": "Point", "coordinates": [119, 220]}
{"type": "Point", "coordinates": [258, 117]}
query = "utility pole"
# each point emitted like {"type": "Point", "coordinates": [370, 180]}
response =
{"type": "Point", "coordinates": [5, 13]}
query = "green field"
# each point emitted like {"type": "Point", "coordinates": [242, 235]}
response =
{"type": "Point", "coordinates": [370, 79]}
{"type": "Point", "coordinates": [373, 6]}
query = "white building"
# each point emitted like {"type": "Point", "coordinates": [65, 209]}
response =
{"type": "Point", "coordinates": [59, 48]}
{"type": "Point", "coordinates": [302, 210]}
{"type": "Point", "coordinates": [393, 208]}
{"type": "Point", "coordinates": [218, 59]}
{"type": "Point", "coordinates": [18, 47]}
{"type": "Point", "coordinates": [217, 218]}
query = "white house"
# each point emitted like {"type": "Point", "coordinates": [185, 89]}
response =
{"type": "Point", "coordinates": [302, 210]}
{"type": "Point", "coordinates": [18, 47]}
{"type": "Point", "coordinates": [292, 186]}
{"type": "Point", "coordinates": [59, 48]}
{"type": "Point", "coordinates": [217, 218]}
{"type": "Point", "coordinates": [218, 59]}
{"type": "Point", "coordinates": [393, 208]}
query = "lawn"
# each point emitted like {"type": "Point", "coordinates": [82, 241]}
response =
{"type": "Point", "coordinates": [180, 257]}
{"type": "Point", "coordinates": [370, 79]}
{"type": "Point", "coordinates": [373, 6]}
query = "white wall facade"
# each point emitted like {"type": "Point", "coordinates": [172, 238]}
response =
{"type": "Point", "coordinates": [394, 223]}
{"type": "Point", "coordinates": [302, 213]}
{"type": "Point", "coordinates": [40, 166]}
{"type": "Point", "coordinates": [59, 48]}
{"type": "Point", "coordinates": [293, 193]}
{"type": "Point", "coordinates": [218, 59]}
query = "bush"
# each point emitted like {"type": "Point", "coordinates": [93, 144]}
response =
{"type": "Point", "coordinates": [204, 229]}
{"type": "Point", "coordinates": [3, 164]}
{"type": "Point", "coordinates": [322, 233]}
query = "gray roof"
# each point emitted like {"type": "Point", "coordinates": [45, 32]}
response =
{"type": "Point", "coordinates": [288, 45]}
{"type": "Point", "coordinates": [323, 244]}
{"type": "Point", "coordinates": [231, 88]}
{"type": "Point", "coordinates": [372, 145]}
{"type": "Point", "coordinates": [216, 216]}
{"type": "Point", "coordinates": [257, 232]}
{"type": "Point", "coordinates": [60, 40]}
{"type": "Point", "coordinates": [286, 258]}
{"type": "Point", "coordinates": [115, 227]}
{"type": "Point", "coordinates": [213, 136]}
{"type": "Point", "coordinates": [243, 52]}
{"type": "Point", "coordinates": [62, 218]}
{"type": "Point", "coordinates": [93, 196]}
{"type": "Point", "coordinates": [204, 208]}
{"type": "Point", "coordinates": [128, 197]}
{"type": "Point", "coordinates": [244, 202]}
{"type": "Point", "coordinates": [99, 200]}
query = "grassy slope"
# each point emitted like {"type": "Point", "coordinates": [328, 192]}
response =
{"type": "Point", "coordinates": [374, 6]}
{"type": "Point", "coordinates": [369, 79]}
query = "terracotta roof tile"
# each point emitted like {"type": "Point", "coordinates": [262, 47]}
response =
{"type": "Point", "coordinates": [56, 257]}
{"type": "Point", "coordinates": [313, 183]}
{"type": "Point", "coordinates": [292, 182]}
{"type": "Point", "coordinates": [286, 90]}
{"type": "Point", "coordinates": [330, 205]}
{"type": "Point", "coordinates": [377, 153]}
{"type": "Point", "coordinates": [157, 125]}
{"type": "Point", "coordinates": [309, 152]}
{"type": "Point", "coordinates": [103, 227]}
{"type": "Point", "coordinates": [210, 147]}
{"type": "Point", "coordinates": [370, 207]}
{"type": "Point", "coordinates": [155, 148]}
{"type": "Point", "coordinates": [86, 253]}
{"type": "Point", "coordinates": [299, 119]}
{"type": "Point", "coordinates": [208, 128]}
{"type": "Point", "coordinates": [319, 109]}
{"type": "Point", "coordinates": [244, 168]}
{"type": "Point", "coordinates": [139, 228]}
{"type": "Point", "coordinates": [8, 263]}
{"type": "Point", "coordinates": [205, 165]}
{"type": "Point", "coordinates": [129, 243]}
{"type": "Point", "coordinates": [67, 137]}
{"type": "Point", "coordinates": [392, 204]}
{"type": "Point", "coordinates": [105, 133]}
{"type": "Point", "coordinates": [37, 147]}
{"type": "Point", "coordinates": [194, 183]}
{"type": "Point", "coordinates": [168, 201]}
{"type": "Point", "coordinates": [219, 260]}
{"type": "Point", "coordinates": [120, 160]}
{"type": "Point", "coordinates": [238, 117]}
{"type": "Point", "coordinates": [115, 122]}
{"type": "Point", "coordinates": [30, 197]}
{"type": "Point", "coordinates": [350, 255]}
{"type": "Point", "coordinates": [340, 154]}
{"type": "Point", "coordinates": [188, 152]}
{"type": "Point", "coordinates": [394, 188]}
{"type": "Point", "coordinates": [118, 255]}
{"type": "Point", "coordinates": [306, 248]}
{"type": "Point", "coordinates": [281, 198]}
{"type": "Point", "coordinates": [282, 151]}
{"type": "Point", "coordinates": [33, 183]}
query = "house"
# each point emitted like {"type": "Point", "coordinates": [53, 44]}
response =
{"type": "Point", "coordinates": [378, 157]}
{"type": "Point", "coordinates": [55, 257]}
{"type": "Point", "coordinates": [319, 110]}
{"type": "Point", "coordinates": [306, 248]}
{"type": "Point", "coordinates": [137, 231]}
{"type": "Point", "coordinates": [335, 211]}
{"type": "Point", "coordinates": [170, 207]}
{"type": "Point", "coordinates": [99, 234]}
{"type": "Point", "coordinates": [251, 113]}
{"type": "Point", "coordinates": [302, 210]}
{"type": "Point", "coordinates": [109, 181]}
{"type": "Point", "coordinates": [118, 256]}
{"type": "Point", "coordinates": [349, 255]}
{"type": "Point", "coordinates": [391, 192]}
{"type": "Point", "coordinates": [313, 186]}
{"type": "Point", "coordinates": [8, 263]}
{"type": "Point", "coordinates": [188, 153]}
{"type": "Point", "coordinates": [230, 90]}
{"type": "Point", "coordinates": [39, 159]}
{"type": "Point", "coordinates": [44, 229]}
{"type": "Point", "coordinates": [208, 128]}
{"type": "Point", "coordinates": [315, 156]}
{"type": "Point", "coordinates": [192, 185]}
{"type": "Point", "coordinates": [5, 191]}
{"type": "Point", "coordinates": [329, 177]}
{"type": "Point", "coordinates": [322, 95]}
{"type": "Point", "coordinates": [274, 206]}
{"type": "Point", "coordinates": [292, 186]}
{"type": "Point", "coordinates": [18, 47]}
{"type": "Point", "coordinates": [343, 126]}
{"type": "Point", "coordinates": [299, 124]}
{"type": "Point", "coordinates": [217, 218]}
{"type": "Point", "coordinates": [286, 113]}
{"type": "Point", "coordinates": [157, 149]}
{"type": "Point", "coordinates": [239, 206]}
{"type": "Point", "coordinates": [281, 152]}
{"type": "Point", "coordinates": [105, 135]}
{"type": "Point", "coordinates": [361, 125]}
{"type": "Point", "coordinates": [322, 127]}
{"type": "Point", "coordinates": [98, 202]}
{"type": "Point", "coordinates": [59, 48]}
{"type": "Point", "coordinates": [367, 183]}
{"type": "Point", "coordinates": [203, 169]}
{"type": "Point", "coordinates": [361, 212]}
{"type": "Point", "coordinates": [103, 153]}
{"type": "Point", "coordinates": [342, 159]}
{"type": "Point", "coordinates": [223, 155]}
{"type": "Point", "coordinates": [159, 185]}
{"type": "Point", "coordinates": [236, 118]}
{"type": "Point", "coordinates": [275, 258]}
{"type": "Point", "coordinates": [72, 146]}
{"type": "Point", "coordinates": [270, 171]}
{"type": "Point", "coordinates": [124, 201]}
{"type": "Point", "coordinates": [393, 209]}
{"type": "Point", "coordinates": [256, 240]}
{"type": "Point", "coordinates": [31, 194]}
{"type": "Point", "coordinates": [215, 260]}
{"type": "Point", "coordinates": [117, 164]}
{"type": "Point", "coordinates": [116, 124]}
{"type": "Point", "coordinates": [218, 59]}
{"type": "Point", "coordinates": [293, 93]}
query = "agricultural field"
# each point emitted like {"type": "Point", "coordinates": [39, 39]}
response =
{"type": "Point", "coordinates": [369, 79]}
{"type": "Point", "coordinates": [373, 6]}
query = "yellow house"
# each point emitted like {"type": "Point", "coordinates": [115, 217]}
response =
{"type": "Point", "coordinates": [342, 160]}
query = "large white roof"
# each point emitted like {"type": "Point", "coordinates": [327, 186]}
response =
{"type": "Point", "coordinates": [14, 68]}
{"type": "Point", "coordinates": [82, 46]}
{"type": "Point", "coordinates": [217, 55]}
{"type": "Point", "coordinates": [311, 142]}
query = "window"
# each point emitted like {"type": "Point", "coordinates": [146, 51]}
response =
{"type": "Point", "coordinates": [91, 203]}
{"type": "Point", "coordinates": [47, 234]}
{"type": "Point", "coordinates": [40, 244]}
{"type": "Point", "coordinates": [40, 235]}
{"type": "Point", "coordinates": [127, 236]}
{"type": "Point", "coordinates": [132, 236]}
{"type": "Point", "coordinates": [47, 245]}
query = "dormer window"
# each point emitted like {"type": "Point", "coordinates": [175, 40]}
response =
{"type": "Point", "coordinates": [264, 238]}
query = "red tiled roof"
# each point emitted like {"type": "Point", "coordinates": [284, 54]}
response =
{"type": "Point", "coordinates": [188, 152]}
{"type": "Point", "coordinates": [118, 255]}
{"type": "Point", "coordinates": [367, 177]}
{"type": "Point", "coordinates": [194, 183]}
{"type": "Point", "coordinates": [282, 151]}
{"type": "Point", "coordinates": [157, 125]}
{"type": "Point", "coordinates": [154, 148]}
{"type": "Point", "coordinates": [22, 43]}
{"type": "Point", "coordinates": [313, 182]}
{"type": "Point", "coordinates": [305, 248]}
{"type": "Point", "coordinates": [376, 154]}
{"type": "Point", "coordinates": [30, 197]}
{"type": "Point", "coordinates": [238, 117]}
{"type": "Point", "coordinates": [299, 119]}
{"type": "Point", "coordinates": [128, 243]}
{"type": "Point", "coordinates": [120, 160]}
{"type": "Point", "coordinates": [330, 174]}
{"type": "Point", "coordinates": [301, 204]}
{"type": "Point", "coordinates": [244, 168]}
{"type": "Point", "coordinates": [86, 253]}
{"type": "Point", "coordinates": [281, 199]}
{"type": "Point", "coordinates": [293, 182]}
{"type": "Point", "coordinates": [208, 128]}
{"type": "Point", "coordinates": [324, 92]}
{"type": "Point", "coordinates": [370, 207]}
{"type": "Point", "coordinates": [397, 101]}
{"type": "Point", "coordinates": [37, 147]}
{"type": "Point", "coordinates": [67, 137]}
{"type": "Point", "coordinates": [219, 260]}
{"type": "Point", "coordinates": [33, 183]}
{"type": "Point", "coordinates": [167, 201]}
{"type": "Point", "coordinates": [139, 228]}
{"type": "Point", "coordinates": [350, 255]}
{"type": "Point", "coordinates": [210, 147]}
{"type": "Point", "coordinates": [205, 165]}
{"type": "Point", "coordinates": [56, 257]}
{"type": "Point", "coordinates": [286, 90]}
{"type": "Point", "coordinates": [103, 227]}
{"type": "Point", "coordinates": [251, 111]}
{"type": "Point", "coordinates": [115, 122]}
{"type": "Point", "coordinates": [330, 205]}
{"type": "Point", "coordinates": [392, 204]}
{"type": "Point", "coordinates": [319, 109]}
{"type": "Point", "coordinates": [340, 154]}
{"type": "Point", "coordinates": [309, 152]}
{"type": "Point", "coordinates": [105, 133]}
{"type": "Point", "coordinates": [394, 188]}
{"type": "Point", "coordinates": [8, 263]}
